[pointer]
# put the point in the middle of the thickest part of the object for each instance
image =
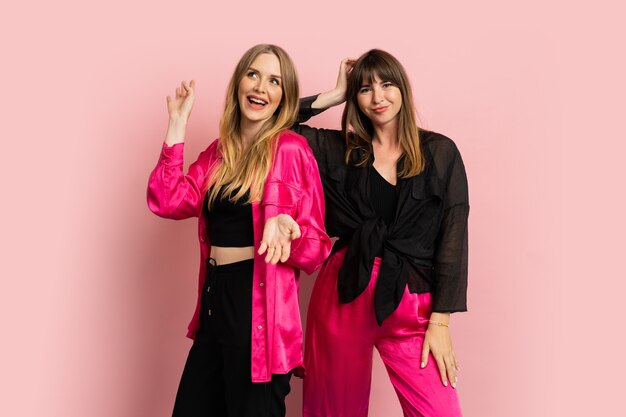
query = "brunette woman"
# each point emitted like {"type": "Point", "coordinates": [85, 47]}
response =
{"type": "Point", "coordinates": [397, 200]}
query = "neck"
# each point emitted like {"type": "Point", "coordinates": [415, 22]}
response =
{"type": "Point", "coordinates": [386, 135]}
{"type": "Point", "coordinates": [249, 132]}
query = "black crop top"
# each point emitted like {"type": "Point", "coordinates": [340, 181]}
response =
{"type": "Point", "coordinates": [229, 224]}
{"type": "Point", "coordinates": [383, 196]}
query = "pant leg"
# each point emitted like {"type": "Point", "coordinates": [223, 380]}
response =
{"type": "Point", "coordinates": [338, 348]}
{"type": "Point", "coordinates": [245, 398]}
{"type": "Point", "coordinates": [420, 391]}
{"type": "Point", "coordinates": [201, 389]}
{"type": "Point", "coordinates": [231, 318]}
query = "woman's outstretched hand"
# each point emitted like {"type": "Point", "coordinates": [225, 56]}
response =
{"type": "Point", "coordinates": [439, 342]}
{"type": "Point", "coordinates": [278, 233]}
{"type": "Point", "coordinates": [179, 109]}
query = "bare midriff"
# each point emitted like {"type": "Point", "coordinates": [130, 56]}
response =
{"type": "Point", "coordinates": [223, 255]}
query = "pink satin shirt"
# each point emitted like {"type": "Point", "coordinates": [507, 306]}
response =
{"type": "Point", "coordinates": [292, 187]}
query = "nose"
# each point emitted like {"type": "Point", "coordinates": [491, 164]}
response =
{"type": "Point", "coordinates": [259, 87]}
{"type": "Point", "coordinates": [378, 96]}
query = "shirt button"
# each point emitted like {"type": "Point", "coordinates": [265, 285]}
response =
{"type": "Point", "coordinates": [209, 312]}
{"type": "Point", "coordinates": [262, 284]}
{"type": "Point", "coordinates": [259, 327]}
{"type": "Point", "coordinates": [202, 239]}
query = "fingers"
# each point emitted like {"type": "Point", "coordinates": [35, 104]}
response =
{"type": "Point", "coordinates": [347, 64]}
{"type": "Point", "coordinates": [286, 251]}
{"type": "Point", "coordinates": [276, 252]}
{"type": "Point", "coordinates": [273, 254]}
{"type": "Point", "coordinates": [295, 231]}
{"type": "Point", "coordinates": [425, 352]}
{"type": "Point", "coordinates": [184, 90]}
{"type": "Point", "coordinates": [450, 369]}
{"type": "Point", "coordinates": [442, 369]}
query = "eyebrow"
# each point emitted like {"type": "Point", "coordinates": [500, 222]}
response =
{"type": "Point", "coordinates": [254, 69]}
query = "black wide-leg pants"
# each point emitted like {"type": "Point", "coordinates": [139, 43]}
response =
{"type": "Point", "coordinates": [217, 379]}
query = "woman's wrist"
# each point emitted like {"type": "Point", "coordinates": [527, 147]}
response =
{"type": "Point", "coordinates": [176, 129]}
{"type": "Point", "coordinates": [439, 319]}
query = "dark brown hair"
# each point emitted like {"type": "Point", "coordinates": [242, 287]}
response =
{"type": "Point", "coordinates": [359, 129]}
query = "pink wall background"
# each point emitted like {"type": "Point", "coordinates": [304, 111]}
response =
{"type": "Point", "coordinates": [96, 291]}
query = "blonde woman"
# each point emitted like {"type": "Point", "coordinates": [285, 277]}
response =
{"type": "Point", "coordinates": [257, 194]}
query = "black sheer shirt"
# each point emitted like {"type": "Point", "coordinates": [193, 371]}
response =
{"type": "Point", "coordinates": [425, 244]}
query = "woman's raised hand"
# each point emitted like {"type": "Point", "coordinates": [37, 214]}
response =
{"type": "Point", "coordinates": [345, 68]}
{"type": "Point", "coordinates": [337, 95]}
{"type": "Point", "coordinates": [180, 106]}
{"type": "Point", "coordinates": [179, 109]}
{"type": "Point", "coordinates": [278, 233]}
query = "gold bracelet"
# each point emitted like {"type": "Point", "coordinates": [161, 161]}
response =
{"type": "Point", "coordinates": [438, 323]}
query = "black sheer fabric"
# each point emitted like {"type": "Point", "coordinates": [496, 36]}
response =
{"type": "Point", "coordinates": [229, 224]}
{"type": "Point", "coordinates": [424, 246]}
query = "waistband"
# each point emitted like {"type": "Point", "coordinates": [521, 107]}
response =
{"type": "Point", "coordinates": [244, 265]}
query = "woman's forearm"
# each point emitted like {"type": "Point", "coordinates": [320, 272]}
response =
{"type": "Point", "coordinates": [337, 95]}
{"type": "Point", "coordinates": [328, 99]}
{"type": "Point", "coordinates": [175, 131]}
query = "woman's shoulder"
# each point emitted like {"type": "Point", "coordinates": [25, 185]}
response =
{"type": "Point", "coordinates": [292, 144]}
{"type": "Point", "coordinates": [289, 137]}
{"type": "Point", "coordinates": [211, 151]}
{"type": "Point", "coordinates": [439, 145]}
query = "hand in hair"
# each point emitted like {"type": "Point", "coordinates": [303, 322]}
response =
{"type": "Point", "coordinates": [179, 109]}
{"type": "Point", "coordinates": [345, 69]}
{"type": "Point", "coordinates": [278, 233]}
{"type": "Point", "coordinates": [337, 95]}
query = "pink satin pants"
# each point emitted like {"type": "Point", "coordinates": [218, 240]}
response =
{"type": "Point", "coordinates": [339, 349]}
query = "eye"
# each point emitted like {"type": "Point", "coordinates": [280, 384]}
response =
{"type": "Point", "coordinates": [364, 90]}
{"type": "Point", "coordinates": [275, 81]}
{"type": "Point", "coordinates": [251, 74]}
{"type": "Point", "coordinates": [387, 84]}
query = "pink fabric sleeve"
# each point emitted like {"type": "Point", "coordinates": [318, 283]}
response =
{"type": "Point", "coordinates": [311, 249]}
{"type": "Point", "coordinates": [173, 194]}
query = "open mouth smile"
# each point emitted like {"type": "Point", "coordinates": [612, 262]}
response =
{"type": "Point", "coordinates": [256, 101]}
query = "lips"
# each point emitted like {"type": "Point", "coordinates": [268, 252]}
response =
{"type": "Point", "coordinates": [256, 102]}
{"type": "Point", "coordinates": [380, 109]}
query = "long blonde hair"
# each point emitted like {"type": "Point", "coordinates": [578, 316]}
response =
{"type": "Point", "coordinates": [387, 68]}
{"type": "Point", "coordinates": [242, 169]}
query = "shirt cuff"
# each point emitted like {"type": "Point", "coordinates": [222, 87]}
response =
{"type": "Point", "coordinates": [306, 111]}
{"type": "Point", "coordinates": [172, 155]}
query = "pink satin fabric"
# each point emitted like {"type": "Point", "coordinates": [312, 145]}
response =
{"type": "Point", "coordinates": [292, 187]}
{"type": "Point", "coordinates": [340, 339]}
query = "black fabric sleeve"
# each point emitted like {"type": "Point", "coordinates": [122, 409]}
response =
{"type": "Point", "coordinates": [328, 145]}
{"type": "Point", "coordinates": [450, 292]}
{"type": "Point", "coordinates": [305, 112]}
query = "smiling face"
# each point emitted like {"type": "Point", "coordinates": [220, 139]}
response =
{"type": "Point", "coordinates": [260, 90]}
{"type": "Point", "coordinates": [379, 100]}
